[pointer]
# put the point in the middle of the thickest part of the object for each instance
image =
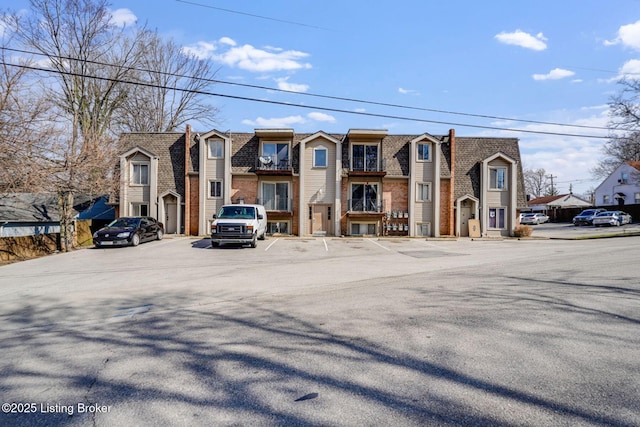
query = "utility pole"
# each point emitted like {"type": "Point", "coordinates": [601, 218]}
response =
{"type": "Point", "coordinates": [553, 192]}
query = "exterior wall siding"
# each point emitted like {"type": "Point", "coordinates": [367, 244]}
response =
{"type": "Point", "coordinates": [319, 183]}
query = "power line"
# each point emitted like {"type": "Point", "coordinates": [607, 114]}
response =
{"type": "Point", "coordinates": [314, 107]}
{"type": "Point", "coordinates": [252, 15]}
{"type": "Point", "coordinates": [337, 98]}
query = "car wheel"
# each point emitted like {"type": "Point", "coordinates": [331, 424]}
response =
{"type": "Point", "coordinates": [618, 223]}
{"type": "Point", "coordinates": [159, 235]}
{"type": "Point", "coordinates": [215, 244]}
{"type": "Point", "coordinates": [135, 240]}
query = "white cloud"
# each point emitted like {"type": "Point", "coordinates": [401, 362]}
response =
{"type": "Point", "coordinates": [628, 35]}
{"type": "Point", "coordinates": [321, 117]}
{"type": "Point", "coordinates": [406, 91]}
{"type": "Point", "coordinates": [201, 50]}
{"type": "Point", "coordinates": [289, 121]}
{"type": "Point", "coordinates": [283, 84]}
{"type": "Point", "coordinates": [249, 58]}
{"type": "Point", "coordinates": [630, 69]}
{"type": "Point", "coordinates": [123, 17]}
{"type": "Point", "coordinates": [275, 122]}
{"type": "Point", "coordinates": [555, 74]}
{"type": "Point", "coordinates": [522, 39]}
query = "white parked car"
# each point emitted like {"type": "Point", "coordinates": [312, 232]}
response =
{"type": "Point", "coordinates": [534, 218]}
{"type": "Point", "coordinates": [616, 218]}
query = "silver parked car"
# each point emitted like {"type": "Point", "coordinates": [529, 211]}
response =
{"type": "Point", "coordinates": [586, 216]}
{"type": "Point", "coordinates": [534, 218]}
{"type": "Point", "coordinates": [616, 218]}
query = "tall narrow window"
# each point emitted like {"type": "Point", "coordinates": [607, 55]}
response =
{"type": "Point", "coordinates": [215, 189]}
{"type": "Point", "coordinates": [140, 174]}
{"type": "Point", "coordinates": [216, 148]}
{"type": "Point", "coordinates": [497, 178]}
{"type": "Point", "coordinates": [423, 192]}
{"type": "Point", "coordinates": [423, 152]}
{"type": "Point", "coordinates": [496, 217]}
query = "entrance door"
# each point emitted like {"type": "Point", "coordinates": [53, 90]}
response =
{"type": "Point", "coordinates": [171, 217]}
{"type": "Point", "coordinates": [320, 219]}
{"type": "Point", "coordinates": [465, 215]}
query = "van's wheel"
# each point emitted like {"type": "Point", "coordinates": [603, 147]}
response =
{"type": "Point", "coordinates": [135, 240]}
{"type": "Point", "coordinates": [263, 236]}
{"type": "Point", "coordinates": [254, 243]}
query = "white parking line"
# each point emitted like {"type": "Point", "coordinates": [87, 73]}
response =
{"type": "Point", "coordinates": [271, 244]}
{"type": "Point", "coordinates": [326, 248]}
{"type": "Point", "coordinates": [376, 243]}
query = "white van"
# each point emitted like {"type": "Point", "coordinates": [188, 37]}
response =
{"type": "Point", "coordinates": [239, 224]}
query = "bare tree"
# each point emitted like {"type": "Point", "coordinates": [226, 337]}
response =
{"type": "Point", "coordinates": [624, 143]}
{"type": "Point", "coordinates": [535, 182]}
{"type": "Point", "coordinates": [171, 91]}
{"type": "Point", "coordinates": [77, 38]}
{"type": "Point", "coordinates": [25, 132]}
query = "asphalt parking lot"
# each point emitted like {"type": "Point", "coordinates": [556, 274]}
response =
{"type": "Point", "coordinates": [326, 331]}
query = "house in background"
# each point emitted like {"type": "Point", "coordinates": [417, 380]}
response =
{"type": "Point", "coordinates": [554, 205]}
{"type": "Point", "coordinates": [363, 182]}
{"type": "Point", "coordinates": [33, 214]}
{"type": "Point", "coordinates": [620, 188]}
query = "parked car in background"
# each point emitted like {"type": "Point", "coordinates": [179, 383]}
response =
{"type": "Point", "coordinates": [616, 218]}
{"type": "Point", "coordinates": [129, 231]}
{"type": "Point", "coordinates": [586, 216]}
{"type": "Point", "coordinates": [534, 218]}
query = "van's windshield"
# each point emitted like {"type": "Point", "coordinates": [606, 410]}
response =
{"type": "Point", "coordinates": [237, 212]}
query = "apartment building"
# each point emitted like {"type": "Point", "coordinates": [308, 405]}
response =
{"type": "Point", "coordinates": [365, 182]}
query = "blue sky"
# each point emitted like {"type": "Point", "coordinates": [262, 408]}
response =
{"type": "Point", "coordinates": [450, 62]}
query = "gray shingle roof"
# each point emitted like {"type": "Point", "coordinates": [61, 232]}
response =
{"type": "Point", "coordinates": [169, 147]}
{"type": "Point", "coordinates": [469, 154]}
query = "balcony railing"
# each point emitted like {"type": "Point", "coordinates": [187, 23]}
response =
{"type": "Point", "coordinates": [368, 164]}
{"type": "Point", "coordinates": [278, 204]}
{"type": "Point", "coordinates": [366, 205]}
{"type": "Point", "coordinates": [273, 164]}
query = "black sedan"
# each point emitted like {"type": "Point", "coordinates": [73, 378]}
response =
{"type": "Point", "coordinates": [128, 231]}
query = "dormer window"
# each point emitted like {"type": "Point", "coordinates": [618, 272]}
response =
{"type": "Point", "coordinates": [216, 148]}
{"type": "Point", "coordinates": [424, 152]}
{"type": "Point", "coordinates": [497, 178]}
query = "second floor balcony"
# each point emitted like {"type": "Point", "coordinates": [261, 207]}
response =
{"type": "Point", "coordinates": [273, 165]}
{"type": "Point", "coordinates": [367, 166]}
{"type": "Point", "coordinates": [366, 205]}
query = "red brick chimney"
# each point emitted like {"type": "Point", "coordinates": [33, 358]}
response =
{"type": "Point", "coordinates": [187, 186]}
{"type": "Point", "coordinates": [452, 148]}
